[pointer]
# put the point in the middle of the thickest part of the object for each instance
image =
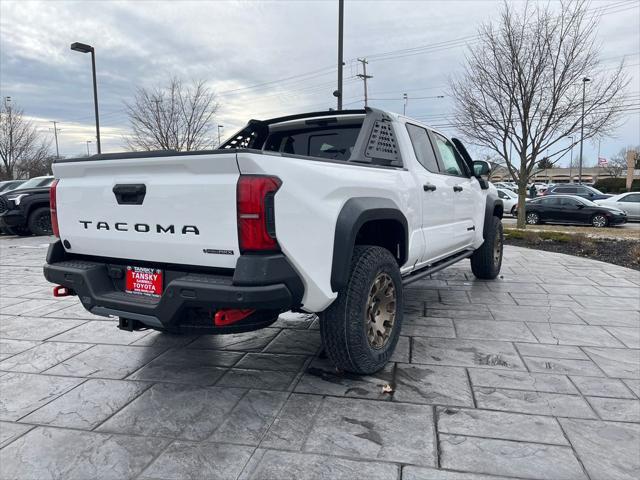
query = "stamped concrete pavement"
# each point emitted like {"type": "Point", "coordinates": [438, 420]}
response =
{"type": "Point", "coordinates": [535, 375]}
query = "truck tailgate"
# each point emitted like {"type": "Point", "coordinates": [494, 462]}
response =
{"type": "Point", "coordinates": [186, 215]}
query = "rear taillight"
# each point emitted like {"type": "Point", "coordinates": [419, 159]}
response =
{"type": "Point", "coordinates": [53, 205]}
{"type": "Point", "coordinates": [256, 216]}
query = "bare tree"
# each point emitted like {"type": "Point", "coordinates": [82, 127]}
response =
{"type": "Point", "coordinates": [617, 164]}
{"type": "Point", "coordinates": [174, 117]}
{"type": "Point", "coordinates": [523, 85]}
{"type": "Point", "coordinates": [20, 144]}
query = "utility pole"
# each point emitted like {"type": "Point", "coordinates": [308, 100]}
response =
{"type": "Point", "coordinates": [584, 86]}
{"type": "Point", "coordinates": [7, 107]}
{"type": "Point", "coordinates": [405, 97]}
{"type": "Point", "coordinates": [338, 93]}
{"type": "Point", "coordinates": [219, 127]}
{"type": "Point", "coordinates": [55, 134]}
{"type": "Point", "coordinates": [364, 77]}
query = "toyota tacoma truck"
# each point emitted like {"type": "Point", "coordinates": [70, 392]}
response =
{"type": "Point", "coordinates": [327, 212]}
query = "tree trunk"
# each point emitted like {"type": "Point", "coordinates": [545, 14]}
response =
{"type": "Point", "coordinates": [522, 198]}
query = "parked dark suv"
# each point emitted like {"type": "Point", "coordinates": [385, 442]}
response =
{"type": "Point", "coordinates": [25, 210]}
{"type": "Point", "coordinates": [583, 191]}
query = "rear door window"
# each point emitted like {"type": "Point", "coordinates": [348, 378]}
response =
{"type": "Point", "coordinates": [632, 198]}
{"type": "Point", "coordinates": [452, 163]}
{"type": "Point", "coordinates": [550, 201]}
{"type": "Point", "coordinates": [422, 147]}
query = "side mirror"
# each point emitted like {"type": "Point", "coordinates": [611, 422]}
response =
{"type": "Point", "coordinates": [580, 206]}
{"type": "Point", "coordinates": [481, 169]}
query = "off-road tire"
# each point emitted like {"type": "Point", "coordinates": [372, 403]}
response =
{"type": "Point", "coordinates": [344, 325]}
{"type": "Point", "coordinates": [38, 223]}
{"type": "Point", "coordinates": [487, 260]}
{"type": "Point", "coordinates": [19, 230]}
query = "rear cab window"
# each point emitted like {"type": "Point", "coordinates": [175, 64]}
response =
{"type": "Point", "coordinates": [332, 143]}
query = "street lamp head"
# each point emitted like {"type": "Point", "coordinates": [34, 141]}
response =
{"type": "Point", "coordinates": [81, 47]}
{"type": "Point", "coordinates": [586, 79]}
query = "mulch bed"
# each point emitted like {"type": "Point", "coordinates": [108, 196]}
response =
{"type": "Point", "coordinates": [625, 253]}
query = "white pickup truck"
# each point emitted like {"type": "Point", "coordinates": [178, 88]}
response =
{"type": "Point", "coordinates": [325, 212]}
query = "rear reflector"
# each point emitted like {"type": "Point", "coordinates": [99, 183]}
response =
{"type": "Point", "coordinates": [60, 291]}
{"type": "Point", "coordinates": [53, 205]}
{"type": "Point", "coordinates": [229, 316]}
{"type": "Point", "coordinates": [256, 216]}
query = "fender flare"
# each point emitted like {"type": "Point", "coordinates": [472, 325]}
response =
{"type": "Point", "coordinates": [34, 204]}
{"type": "Point", "coordinates": [492, 202]}
{"type": "Point", "coordinates": [353, 215]}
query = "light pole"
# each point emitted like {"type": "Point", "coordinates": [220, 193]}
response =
{"type": "Point", "coordinates": [84, 48]}
{"type": "Point", "coordinates": [219, 127]}
{"type": "Point", "coordinates": [338, 92]}
{"type": "Point", "coordinates": [88, 142]}
{"type": "Point", "coordinates": [584, 86]}
{"type": "Point", "coordinates": [405, 97]}
{"type": "Point", "coordinates": [7, 107]}
{"type": "Point", "coordinates": [571, 160]}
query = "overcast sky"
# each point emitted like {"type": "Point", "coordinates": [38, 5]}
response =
{"type": "Point", "coordinates": [263, 59]}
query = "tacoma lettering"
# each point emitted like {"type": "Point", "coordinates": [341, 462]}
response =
{"type": "Point", "coordinates": [141, 227]}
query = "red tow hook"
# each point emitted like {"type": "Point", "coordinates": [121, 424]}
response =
{"type": "Point", "coordinates": [60, 291]}
{"type": "Point", "coordinates": [227, 316]}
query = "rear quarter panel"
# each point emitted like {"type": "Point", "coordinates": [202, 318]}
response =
{"type": "Point", "coordinates": [309, 201]}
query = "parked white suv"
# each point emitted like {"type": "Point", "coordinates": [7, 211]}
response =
{"type": "Point", "coordinates": [330, 212]}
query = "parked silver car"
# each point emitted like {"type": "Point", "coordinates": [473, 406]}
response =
{"type": "Point", "coordinates": [627, 202]}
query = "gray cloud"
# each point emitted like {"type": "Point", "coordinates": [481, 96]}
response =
{"type": "Point", "coordinates": [234, 45]}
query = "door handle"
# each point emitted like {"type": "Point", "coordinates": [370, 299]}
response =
{"type": "Point", "coordinates": [457, 188]}
{"type": "Point", "coordinates": [428, 187]}
{"type": "Point", "coordinates": [130, 194]}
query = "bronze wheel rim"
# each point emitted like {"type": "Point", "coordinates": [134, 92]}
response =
{"type": "Point", "coordinates": [497, 250]}
{"type": "Point", "coordinates": [381, 311]}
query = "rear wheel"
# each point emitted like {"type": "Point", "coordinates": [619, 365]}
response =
{"type": "Point", "coordinates": [486, 261]}
{"type": "Point", "coordinates": [360, 329]}
{"type": "Point", "coordinates": [40, 221]}
{"type": "Point", "coordinates": [533, 218]}
{"type": "Point", "coordinates": [599, 220]}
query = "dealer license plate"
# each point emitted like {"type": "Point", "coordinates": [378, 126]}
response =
{"type": "Point", "coordinates": [145, 281]}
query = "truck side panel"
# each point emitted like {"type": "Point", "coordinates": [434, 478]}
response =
{"type": "Point", "coordinates": [309, 201]}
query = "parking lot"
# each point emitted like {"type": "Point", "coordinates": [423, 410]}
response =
{"type": "Point", "coordinates": [534, 375]}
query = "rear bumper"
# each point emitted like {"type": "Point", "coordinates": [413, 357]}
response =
{"type": "Point", "coordinates": [265, 283]}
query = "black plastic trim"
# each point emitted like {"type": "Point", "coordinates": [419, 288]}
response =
{"type": "Point", "coordinates": [491, 203]}
{"type": "Point", "coordinates": [354, 214]}
{"type": "Point", "coordinates": [416, 275]}
{"type": "Point", "coordinates": [261, 282]}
